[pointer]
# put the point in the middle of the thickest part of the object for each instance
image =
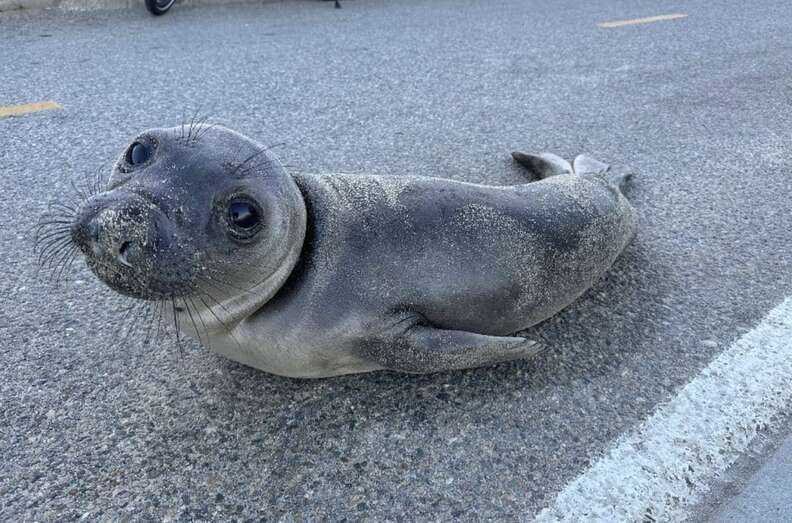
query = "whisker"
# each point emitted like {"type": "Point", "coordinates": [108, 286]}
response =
{"type": "Point", "coordinates": [193, 121]}
{"type": "Point", "coordinates": [204, 129]}
{"type": "Point", "coordinates": [67, 263]}
{"type": "Point", "coordinates": [258, 157]}
{"type": "Point", "coordinates": [44, 236]}
{"type": "Point", "coordinates": [40, 230]}
{"type": "Point", "coordinates": [139, 313]}
{"type": "Point", "coordinates": [54, 221]}
{"type": "Point", "coordinates": [227, 329]}
{"type": "Point", "coordinates": [152, 334]}
{"type": "Point", "coordinates": [192, 320]}
{"type": "Point", "coordinates": [60, 265]}
{"type": "Point", "coordinates": [161, 322]}
{"type": "Point", "coordinates": [200, 318]}
{"type": "Point", "coordinates": [248, 159]}
{"type": "Point", "coordinates": [181, 126]}
{"type": "Point", "coordinates": [78, 191]}
{"type": "Point", "coordinates": [197, 128]}
{"type": "Point", "coordinates": [218, 302]}
{"type": "Point", "coordinates": [60, 205]}
{"type": "Point", "coordinates": [176, 326]}
{"type": "Point", "coordinates": [96, 187]}
{"type": "Point", "coordinates": [152, 311]}
{"type": "Point", "coordinates": [127, 313]}
{"type": "Point", "coordinates": [52, 247]}
{"type": "Point", "coordinates": [189, 129]}
{"type": "Point", "coordinates": [68, 204]}
{"type": "Point", "coordinates": [44, 246]}
{"type": "Point", "coordinates": [55, 211]}
{"type": "Point", "coordinates": [53, 263]}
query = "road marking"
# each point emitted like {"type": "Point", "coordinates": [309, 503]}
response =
{"type": "Point", "coordinates": [659, 470]}
{"type": "Point", "coordinates": [19, 110]}
{"type": "Point", "coordinates": [647, 20]}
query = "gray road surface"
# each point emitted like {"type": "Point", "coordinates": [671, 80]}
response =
{"type": "Point", "coordinates": [768, 496]}
{"type": "Point", "coordinates": [92, 424]}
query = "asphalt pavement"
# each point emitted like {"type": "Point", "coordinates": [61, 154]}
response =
{"type": "Point", "coordinates": [767, 496]}
{"type": "Point", "coordinates": [100, 426]}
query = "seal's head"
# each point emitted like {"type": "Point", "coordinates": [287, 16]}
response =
{"type": "Point", "coordinates": [205, 213]}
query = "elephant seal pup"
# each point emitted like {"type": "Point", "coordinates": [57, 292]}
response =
{"type": "Point", "coordinates": [322, 275]}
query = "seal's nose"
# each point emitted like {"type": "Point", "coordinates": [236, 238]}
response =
{"type": "Point", "coordinates": [114, 232]}
{"type": "Point", "coordinates": [85, 230]}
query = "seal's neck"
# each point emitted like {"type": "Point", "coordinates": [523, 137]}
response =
{"type": "Point", "coordinates": [225, 312]}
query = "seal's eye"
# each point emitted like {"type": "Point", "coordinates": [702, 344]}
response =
{"type": "Point", "coordinates": [244, 217]}
{"type": "Point", "coordinates": [138, 153]}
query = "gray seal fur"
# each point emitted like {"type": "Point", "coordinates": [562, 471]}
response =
{"type": "Point", "coordinates": [350, 273]}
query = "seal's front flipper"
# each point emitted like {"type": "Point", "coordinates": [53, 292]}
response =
{"type": "Point", "coordinates": [542, 165]}
{"type": "Point", "coordinates": [421, 349]}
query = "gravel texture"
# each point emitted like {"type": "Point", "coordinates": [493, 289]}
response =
{"type": "Point", "coordinates": [96, 425]}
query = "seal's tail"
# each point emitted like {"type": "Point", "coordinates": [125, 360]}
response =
{"type": "Point", "coordinates": [585, 165]}
{"type": "Point", "coordinates": [620, 180]}
{"type": "Point", "coordinates": [544, 165]}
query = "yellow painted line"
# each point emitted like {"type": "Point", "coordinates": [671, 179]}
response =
{"type": "Point", "coordinates": [19, 110]}
{"type": "Point", "coordinates": [647, 20]}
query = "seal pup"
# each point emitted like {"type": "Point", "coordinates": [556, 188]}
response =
{"type": "Point", "coordinates": [316, 275]}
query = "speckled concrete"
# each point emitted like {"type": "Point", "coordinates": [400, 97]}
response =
{"type": "Point", "coordinates": [95, 424]}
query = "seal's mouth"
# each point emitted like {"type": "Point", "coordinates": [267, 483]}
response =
{"type": "Point", "coordinates": [131, 252]}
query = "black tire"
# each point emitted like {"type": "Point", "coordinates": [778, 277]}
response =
{"type": "Point", "coordinates": [159, 7]}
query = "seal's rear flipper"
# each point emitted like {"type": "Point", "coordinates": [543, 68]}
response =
{"type": "Point", "coordinates": [620, 180]}
{"type": "Point", "coordinates": [421, 349]}
{"type": "Point", "coordinates": [542, 165]}
{"type": "Point", "coordinates": [585, 164]}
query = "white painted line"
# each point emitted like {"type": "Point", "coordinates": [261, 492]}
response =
{"type": "Point", "coordinates": [664, 466]}
{"type": "Point", "coordinates": [636, 21]}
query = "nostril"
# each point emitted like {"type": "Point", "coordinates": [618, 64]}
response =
{"type": "Point", "coordinates": [123, 252]}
